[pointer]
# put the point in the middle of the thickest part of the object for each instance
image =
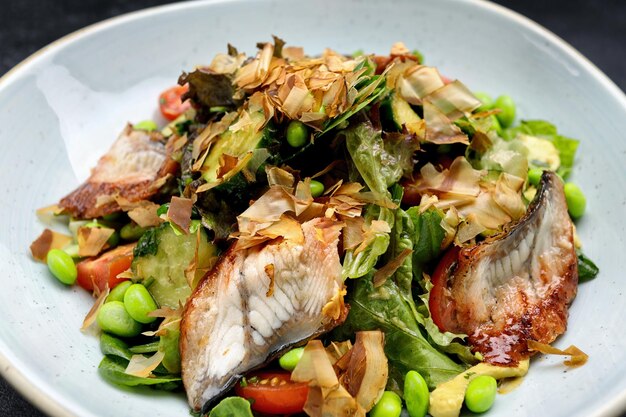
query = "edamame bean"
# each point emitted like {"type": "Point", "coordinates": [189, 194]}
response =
{"type": "Point", "coordinates": [290, 359]}
{"type": "Point", "coordinates": [62, 266]}
{"type": "Point", "coordinates": [481, 393]}
{"type": "Point", "coordinates": [416, 394]}
{"type": "Point", "coordinates": [534, 176]}
{"type": "Point", "coordinates": [132, 231]}
{"type": "Point", "coordinates": [113, 318]}
{"type": "Point", "coordinates": [297, 133]}
{"type": "Point", "coordinates": [147, 125]}
{"type": "Point", "coordinates": [507, 115]}
{"type": "Point", "coordinates": [486, 99]}
{"type": "Point", "coordinates": [139, 303]}
{"type": "Point", "coordinates": [576, 201]}
{"type": "Point", "coordinates": [389, 405]}
{"type": "Point", "coordinates": [117, 293]}
{"type": "Point", "coordinates": [317, 188]}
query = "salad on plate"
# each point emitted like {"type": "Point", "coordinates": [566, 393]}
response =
{"type": "Point", "coordinates": [332, 235]}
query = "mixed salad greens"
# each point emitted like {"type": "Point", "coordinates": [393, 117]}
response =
{"type": "Point", "coordinates": [431, 166]}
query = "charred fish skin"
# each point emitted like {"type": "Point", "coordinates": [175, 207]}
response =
{"type": "Point", "coordinates": [517, 286]}
{"type": "Point", "coordinates": [130, 169]}
{"type": "Point", "coordinates": [254, 304]}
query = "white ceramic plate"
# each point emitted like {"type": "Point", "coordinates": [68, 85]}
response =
{"type": "Point", "coordinates": [60, 109]}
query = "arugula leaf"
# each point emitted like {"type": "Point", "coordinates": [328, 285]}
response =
{"type": "Point", "coordinates": [112, 369]}
{"type": "Point", "coordinates": [587, 269]}
{"type": "Point", "coordinates": [232, 407]}
{"type": "Point", "coordinates": [540, 128]}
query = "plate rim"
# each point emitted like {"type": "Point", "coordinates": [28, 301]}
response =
{"type": "Point", "coordinates": [35, 391]}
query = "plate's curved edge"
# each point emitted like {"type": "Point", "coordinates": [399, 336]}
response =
{"type": "Point", "coordinates": [39, 398]}
{"type": "Point", "coordinates": [53, 407]}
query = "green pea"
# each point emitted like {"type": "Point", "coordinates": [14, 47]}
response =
{"type": "Point", "coordinates": [290, 359]}
{"type": "Point", "coordinates": [117, 293]}
{"type": "Point", "coordinates": [507, 115]}
{"type": "Point", "coordinates": [534, 176]}
{"type": "Point", "coordinates": [486, 99]}
{"type": "Point", "coordinates": [147, 125]}
{"type": "Point", "coordinates": [481, 393]}
{"type": "Point", "coordinates": [416, 394]}
{"type": "Point", "coordinates": [139, 303]}
{"type": "Point", "coordinates": [317, 188]}
{"type": "Point", "coordinates": [62, 266]}
{"type": "Point", "coordinates": [132, 231]}
{"type": "Point", "coordinates": [389, 405]}
{"type": "Point", "coordinates": [113, 318]}
{"type": "Point", "coordinates": [576, 201]}
{"type": "Point", "coordinates": [297, 133]}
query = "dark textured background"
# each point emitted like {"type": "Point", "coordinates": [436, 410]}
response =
{"type": "Point", "coordinates": [597, 28]}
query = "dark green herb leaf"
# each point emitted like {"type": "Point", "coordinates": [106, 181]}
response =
{"type": "Point", "coordinates": [587, 269]}
{"type": "Point", "coordinates": [112, 369]}
{"type": "Point", "coordinates": [113, 346]}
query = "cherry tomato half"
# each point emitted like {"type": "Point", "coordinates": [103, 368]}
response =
{"type": "Point", "coordinates": [170, 102]}
{"type": "Point", "coordinates": [97, 272]}
{"type": "Point", "coordinates": [273, 392]}
{"type": "Point", "coordinates": [439, 304]}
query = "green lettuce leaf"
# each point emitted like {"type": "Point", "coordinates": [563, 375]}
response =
{"type": "Point", "coordinates": [356, 266]}
{"type": "Point", "coordinates": [232, 407]}
{"type": "Point", "coordinates": [380, 163]}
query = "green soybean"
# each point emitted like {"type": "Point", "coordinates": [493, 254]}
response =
{"type": "Point", "coordinates": [416, 394]}
{"type": "Point", "coordinates": [389, 405]}
{"type": "Point", "coordinates": [576, 201]}
{"type": "Point", "coordinates": [117, 293]}
{"type": "Point", "coordinates": [534, 176]}
{"type": "Point", "coordinates": [132, 231]}
{"type": "Point", "coordinates": [113, 318]}
{"type": "Point", "coordinates": [486, 99]}
{"type": "Point", "coordinates": [317, 188]}
{"type": "Point", "coordinates": [290, 359]}
{"type": "Point", "coordinates": [297, 133]}
{"type": "Point", "coordinates": [481, 393]}
{"type": "Point", "coordinates": [139, 303]}
{"type": "Point", "coordinates": [147, 125]}
{"type": "Point", "coordinates": [62, 266]}
{"type": "Point", "coordinates": [507, 107]}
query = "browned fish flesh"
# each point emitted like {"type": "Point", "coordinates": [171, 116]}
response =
{"type": "Point", "coordinates": [516, 286]}
{"type": "Point", "coordinates": [131, 169]}
{"type": "Point", "coordinates": [254, 304]}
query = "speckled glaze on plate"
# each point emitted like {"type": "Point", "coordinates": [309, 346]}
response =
{"type": "Point", "coordinates": [62, 107]}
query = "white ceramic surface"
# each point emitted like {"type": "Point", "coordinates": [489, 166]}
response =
{"type": "Point", "coordinates": [61, 108]}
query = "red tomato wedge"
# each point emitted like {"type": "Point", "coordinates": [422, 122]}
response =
{"type": "Point", "coordinates": [274, 392]}
{"type": "Point", "coordinates": [170, 102]}
{"type": "Point", "coordinates": [438, 303]}
{"type": "Point", "coordinates": [97, 272]}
